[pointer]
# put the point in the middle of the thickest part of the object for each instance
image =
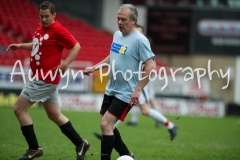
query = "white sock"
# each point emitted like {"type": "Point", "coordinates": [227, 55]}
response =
{"type": "Point", "coordinates": [117, 123]}
{"type": "Point", "coordinates": [160, 118]}
{"type": "Point", "coordinates": [135, 114]}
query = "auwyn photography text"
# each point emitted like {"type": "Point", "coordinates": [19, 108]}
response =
{"type": "Point", "coordinates": [161, 74]}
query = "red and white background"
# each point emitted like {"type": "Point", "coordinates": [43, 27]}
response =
{"type": "Point", "coordinates": [170, 106]}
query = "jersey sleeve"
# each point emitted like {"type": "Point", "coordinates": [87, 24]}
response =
{"type": "Point", "coordinates": [66, 39]}
{"type": "Point", "coordinates": [144, 50]}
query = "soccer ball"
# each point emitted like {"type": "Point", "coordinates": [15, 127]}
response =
{"type": "Point", "coordinates": [125, 157]}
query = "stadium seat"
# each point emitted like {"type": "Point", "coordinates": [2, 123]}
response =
{"type": "Point", "coordinates": [94, 43]}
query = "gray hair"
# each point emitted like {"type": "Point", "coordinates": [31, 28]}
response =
{"type": "Point", "coordinates": [133, 9]}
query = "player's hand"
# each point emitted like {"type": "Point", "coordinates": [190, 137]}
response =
{"type": "Point", "coordinates": [134, 100]}
{"type": "Point", "coordinates": [88, 70]}
{"type": "Point", "coordinates": [13, 47]}
{"type": "Point", "coordinates": [62, 68]}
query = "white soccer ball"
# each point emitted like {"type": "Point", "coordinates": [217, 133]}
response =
{"type": "Point", "coordinates": [125, 157]}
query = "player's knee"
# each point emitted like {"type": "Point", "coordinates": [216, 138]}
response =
{"type": "Point", "coordinates": [17, 110]}
{"type": "Point", "coordinates": [54, 117]}
{"type": "Point", "coordinates": [145, 112]}
{"type": "Point", "coordinates": [105, 126]}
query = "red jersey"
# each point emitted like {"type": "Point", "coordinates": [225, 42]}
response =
{"type": "Point", "coordinates": [48, 44]}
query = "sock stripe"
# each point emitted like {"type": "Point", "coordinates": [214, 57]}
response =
{"type": "Point", "coordinates": [166, 123]}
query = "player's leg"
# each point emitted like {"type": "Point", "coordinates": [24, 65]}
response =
{"type": "Point", "coordinates": [53, 111]}
{"type": "Point", "coordinates": [153, 104]}
{"type": "Point", "coordinates": [63, 122]}
{"type": "Point", "coordinates": [119, 145]}
{"type": "Point", "coordinates": [112, 109]}
{"type": "Point", "coordinates": [20, 110]}
{"type": "Point", "coordinates": [151, 92]}
{"type": "Point", "coordinates": [147, 111]}
{"type": "Point", "coordinates": [159, 117]}
{"type": "Point", "coordinates": [25, 120]}
{"type": "Point", "coordinates": [108, 138]}
{"type": "Point", "coordinates": [99, 135]}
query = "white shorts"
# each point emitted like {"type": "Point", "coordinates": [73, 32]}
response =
{"type": "Point", "coordinates": [40, 91]}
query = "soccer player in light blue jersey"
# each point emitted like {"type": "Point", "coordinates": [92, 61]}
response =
{"type": "Point", "coordinates": [129, 51]}
{"type": "Point", "coordinates": [146, 97]}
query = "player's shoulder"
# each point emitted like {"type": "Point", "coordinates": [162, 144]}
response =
{"type": "Point", "coordinates": [117, 33]}
{"type": "Point", "coordinates": [140, 35]}
{"type": "Point", "coordinates": [58, 25]}
{"type": "Point", "coordinates": [59, 28]}
{"type": "Point", "coordinates": [39, 25]}
{"type": "Point", "coordinates": [141, 38]}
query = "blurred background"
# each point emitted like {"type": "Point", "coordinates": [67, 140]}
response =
{"type": "Point", "coordinates": [185, 35]}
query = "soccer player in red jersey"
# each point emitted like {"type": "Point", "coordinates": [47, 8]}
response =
{"type": "Point", "coordinates": [49, 40]}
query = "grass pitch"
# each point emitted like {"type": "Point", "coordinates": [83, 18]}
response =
{"type": "Point", "coordinates": [197, 139]}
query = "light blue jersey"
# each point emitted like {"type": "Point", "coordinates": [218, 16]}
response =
{"type": "Point", "coordinates": [126, 53]}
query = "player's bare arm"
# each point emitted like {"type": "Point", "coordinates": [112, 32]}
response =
{"type": "Point", "coordinates": [25, 46]}
{"type": "Point", "coordinates": [89, 70]}
{"type": "Point", "coordinates": [149, 66]}
{"type": "Point", "coordinates": [71, 56]}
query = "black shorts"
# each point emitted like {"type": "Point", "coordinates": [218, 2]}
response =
{"type": "Point", "coordinates": [115, 106]}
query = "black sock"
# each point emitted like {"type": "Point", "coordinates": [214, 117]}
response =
{"type": "Point", "coordinates": [71, 133]}
{"type": "Point", "coordinates": [30, 136]}
{"type": "Point", "coordinates": [119, 145]}
{"type": "Point", "coordinates": [107, 144]}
